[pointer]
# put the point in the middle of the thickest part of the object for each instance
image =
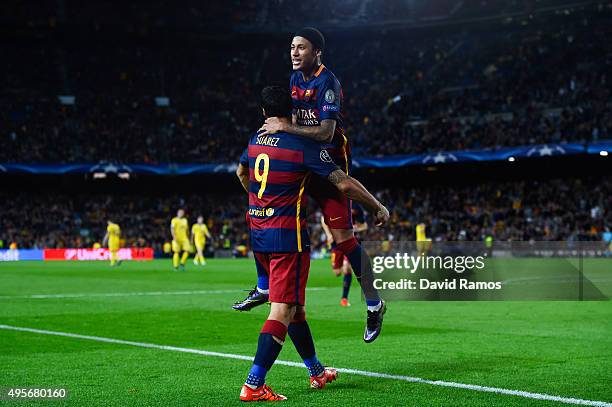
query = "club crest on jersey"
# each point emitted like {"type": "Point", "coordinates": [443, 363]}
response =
{"type": "Point", "coordinates": [261, 212]}
{"type": "Point", "coordinates": [267, 141]}
{"type": "Point", "coordinates": [325, 157]}
{"type": "Point", "coordinates": [330, 96]}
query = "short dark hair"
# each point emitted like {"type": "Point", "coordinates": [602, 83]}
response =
{"type": "Point", "coordinates": [314, 36]}
{"type": "Point", "coordinates": [276, 101]}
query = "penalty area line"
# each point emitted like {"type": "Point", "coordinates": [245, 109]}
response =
{"type": "Point", "coordinates": [442, 383]}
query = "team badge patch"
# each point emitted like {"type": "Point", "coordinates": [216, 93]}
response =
{"type": "Point", "coordinates": [330, 96]}
{"type": "Point", "coordinates": [325, 157]}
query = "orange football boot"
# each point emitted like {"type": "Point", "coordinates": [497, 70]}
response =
{"type": "Point", "coordinates": [329, 375]}
{"type": "Point", "coordinates": [263, 393]}
{"type": "Point", "coordinates": [344, 303]}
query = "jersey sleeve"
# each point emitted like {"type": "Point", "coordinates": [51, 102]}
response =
{"type": "Point", "coordinates": [173, 223]}
{"type": "Point", "coordinates": [318, 160]}
{"type": "Point", "coordinates": [329, 99]}
{"type": "Point", "coordinates": [244, 158]}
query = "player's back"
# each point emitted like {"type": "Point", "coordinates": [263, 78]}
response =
{"type": "Point", "coordinates": [279, 168]}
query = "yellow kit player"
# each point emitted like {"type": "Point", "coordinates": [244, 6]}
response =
{"type": "Point", "coordinates": [179, 228]}
{"type": "Point", "coordinates": [199, 233]}
{"type": "Point", "coordinates": [423, 243]}
{"type": "Point", "coordinates": [113, 234]}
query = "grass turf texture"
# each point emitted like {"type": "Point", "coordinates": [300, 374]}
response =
{"type": "Point", "coordinates": [557, 348]}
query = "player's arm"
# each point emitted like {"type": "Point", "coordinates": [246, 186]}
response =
{"type": "Point", "coordinates": [243, 176]}
{"type": "Point", "coordinates": [317, 160]}
{"type": "Point", "coordinates": [328, 234]}
{"type": "Point", "coordinates": [354, 190]}
{"type": "Point", "coordinates": [172, 231]}
{"type": "Point", "coordinates": [242, 172]}
{"type": "Point", "coordinates": [105, 240]}
{"type": "Point", "coordinates": [207, 232]}
{"type": "Point", "coordinates": [360, 227]}
{"type": "Point", "coordinates": [192, 239]}
{"type": "Point", "coordinates": [323, 133]}
{"type": "Point", "coordinates": [329, 106]}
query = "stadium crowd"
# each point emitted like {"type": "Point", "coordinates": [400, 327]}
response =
{"type": "Point", "coordinates": [539, 79]}
{"type": "Point", "coordinates": [507, 211]}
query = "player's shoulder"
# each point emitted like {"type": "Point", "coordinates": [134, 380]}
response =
{"type": "Point", "coordinates": [295, 142]}
{"type": "Point", "coordinates": [327, 76]}
{"type": "Point", "coordinates": [295, 76]}
{"type": "Point", "coordinates": [253, 138]}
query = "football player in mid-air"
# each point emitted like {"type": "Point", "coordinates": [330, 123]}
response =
{"type": "Point", "coordinates": [317, 115]}
{"type": "Point", "coordinates": [112, 237]}
{"type": "Point", "coordinates": [179, 228]}
{"type": "Point", "coordinates": [274, 171]}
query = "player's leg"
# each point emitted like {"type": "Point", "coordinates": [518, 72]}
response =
{"type": "Point", "coordinates": [347, 278]}
{"type": "Point", "coordinates": [201, 254]}
{"type": "Point", "coordinates": [199, 257]}
{"type": "Point", "coordinates": [269, 345]}
{"type": "Point", "coordinates": [176, 249]}
{"type": "Point", "coordinates": [362, 267]}
{"type": "Point", "coordinates": [341, 267]}
{"type": "Point", "coordinates": [115, 257]}
{"type": "Point", "coordinates": [337, 214]}
{"type": "Point", "coordinates": [271, 339]}
{"type": "Point", "coordinates": [300, 335]}
{"type": "Point", "coordinates": [258, 295]}
{"type": "Point", "coordinates": [186, 248]}
{"type": "Point", "coordinates": [196, 258]}
{"type": "Point", "coordinates": [337, 259]}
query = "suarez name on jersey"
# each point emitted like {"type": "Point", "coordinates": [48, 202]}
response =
{"type": "Point", "coordinates": [279, 168]}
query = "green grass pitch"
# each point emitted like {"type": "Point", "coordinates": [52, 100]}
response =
{"type": "Point", "coordinates": [556, 348]}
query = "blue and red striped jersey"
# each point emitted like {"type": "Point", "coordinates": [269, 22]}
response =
{"type": "Point", "coordinates": [279, 168]}
{"type": "Point", "coordinates": [318, 99]}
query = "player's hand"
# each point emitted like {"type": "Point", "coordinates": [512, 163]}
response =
{"type": "Point", "coordinates": [271, 125]}
{"type": "Point", "coordinates": [381, 217]}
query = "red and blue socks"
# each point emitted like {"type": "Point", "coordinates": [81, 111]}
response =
{"type": "Point", "coordinates": [268, 349]}
{"type": "Point", "coordinates": [362, 267]}
{"type": "Point", "coordinates": [346, 284]}
{"type": "Point", "coordinates": [263, 280]}
{"type": "Point", "coordinates": [300, 335]}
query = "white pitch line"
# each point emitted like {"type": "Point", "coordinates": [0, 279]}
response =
{"type": "Point", "coordinates": [487, 389]}
{"type": "Point", "coordinates": [130, 294]}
